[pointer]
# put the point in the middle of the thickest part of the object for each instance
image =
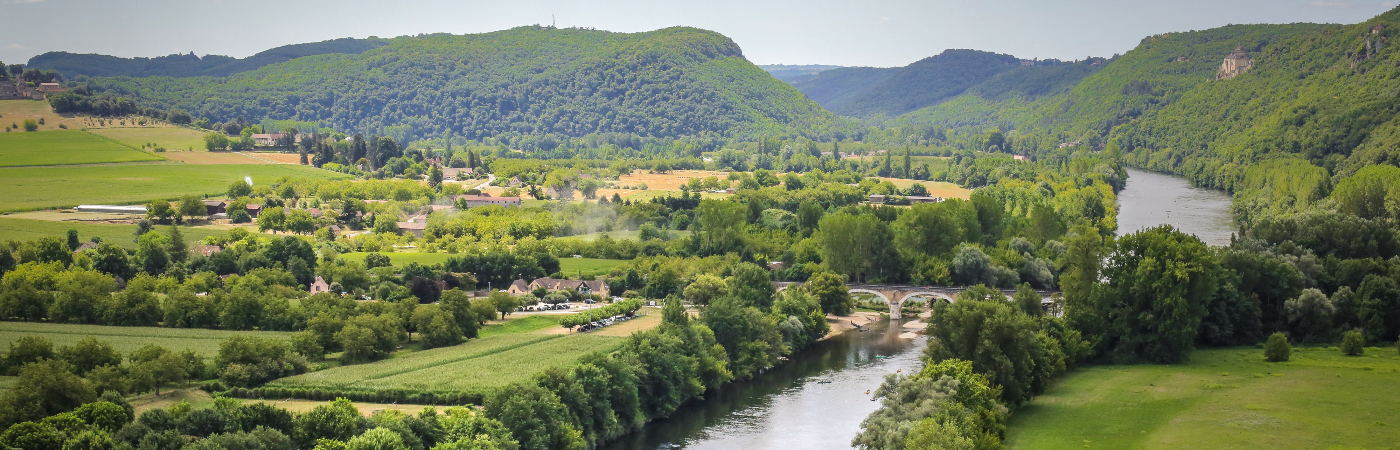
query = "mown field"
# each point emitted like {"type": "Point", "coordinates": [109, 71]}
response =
{"type": "Point", "coordinates": [935, 188]}
{"type": "Point", "coordinates": [478, 365]}
{"type": "Point", "coordinates": [28, 188]}
{"type": "Point", "coordinates": [64, 147]}
{"type": "Point", "coordinates": [589, 267]}
{"type": "Point", "coordinates": [1221, 399]}
{"type": "Point", "coordinates": [15, 229]}
{"type": "Point", "coordinates": [126, 339]}
{"type": "Point", "coordinates": [171, 138]}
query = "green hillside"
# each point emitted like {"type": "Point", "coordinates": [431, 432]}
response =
{"type": "Point", "coordinates": [871, 92]}
{"type": "Point", "coordinates": [524, 81]}
{"type": "Point", "coordinates": [74, 64]}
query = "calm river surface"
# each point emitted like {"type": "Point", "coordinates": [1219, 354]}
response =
{"type": "Point", "coordinates": [1151, 199]}
{"type": "Point", "coordinates": [815, 401]}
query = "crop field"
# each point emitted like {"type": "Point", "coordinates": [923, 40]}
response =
{"type": "Point", "coordinates": [29, 188]}
{"type": "Point", "coordinates": [16, 111]}
{"type": "Point", "coordinates": [500, 368]}
{"type": "Point", "coordinates": [169, 137]}
{"type": "Point", "coordinates": [1222, 398]}
{"type": "Point", "coordinates": [126, 339]}
{"type": "Point", "coordinates": [935, 188]}
{"type": "Point", "coordinates": [13, 229]}
{"type": "Point", "coordinates": [524, 324]}
{"type": "Point", "coordinates": [569, 266]}
{"type": "Point", "coordinates": [64, 147]}
{"type": "Point", "coordinates": [205, 157]}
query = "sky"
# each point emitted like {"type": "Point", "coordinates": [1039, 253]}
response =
{"type": "Point", "coordinates": [879, 33]}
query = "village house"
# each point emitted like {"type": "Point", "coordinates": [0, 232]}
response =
{"type": "Point", "coordinates": [454, 174]}
{"type": "Point", "coordinates": [320, 286]}
{"type": "Point", "coordinates": [205, 250]}
{"type": "Point", "coordinates": [414, 225]}
{"type": "Point", "coordinates": [50, 88]}
{"type": "Point", "coordinates": [486, 200]}
{"type": "Point", "coordinates": [585, 287]}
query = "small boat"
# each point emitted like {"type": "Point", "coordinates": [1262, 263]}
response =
{"type": "Point", "coordinates": [881, 357]}
{"type": "Point", "coordinates": [824, 382]}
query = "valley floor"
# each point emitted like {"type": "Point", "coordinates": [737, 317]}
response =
{"type": "Point", "coordinates": [1221, 399]}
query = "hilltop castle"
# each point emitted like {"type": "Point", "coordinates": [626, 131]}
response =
{"type": "Point", "coordinates": [1236, 63]}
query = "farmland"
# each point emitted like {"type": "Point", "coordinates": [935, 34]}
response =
{"type": "Point", "coordinates": [64, 147]}
{"type": "Point", "coordinates": [17, 229]}
{"type": "Point", "coordinates": [126, 339]}
{"type": "Point", "coordinates": [1222, 398]}
{"type": "Point", "coordinates": [49, 187]}
{"type": "Point", "coordinates": [478, 365]}
{"type": "Point", "coordinates": [170, 138]}
{"type": "Point", "coordinates": [569, 266]}
{"type": "Point", "coordinates": [935, 188]}
{"type": "Point", "coordinates": [16, 111]}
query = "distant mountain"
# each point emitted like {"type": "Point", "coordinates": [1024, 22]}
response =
{"type": "Point", "coordinates": [527, 81]}
{"type": "Point", "coordinates": [794, 73]}
{"type": "Point", "coordinates": [873, 92]}
{"type": "Point", "coordinates": [73, 64]}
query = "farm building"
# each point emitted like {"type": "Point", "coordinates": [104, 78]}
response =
{"type": "Point", "coordinates": [519, 287]}
{"type": "Point", "coordinates": [585, 287]}
{"type": "Point", "coordinates": [111, 209]}
{"type": "Point", "coordinates": [212, 207]}
{"type": "Point", "coordinates": [413, 227]}
{"type": "Point", "coordinates": [486, 200]}
{"type": "Point", "coordinates": [205, 250]}
{"type": "Point", "coordinates": [320, 286]}
{"type": "Point", "coordinates": [454, 174]}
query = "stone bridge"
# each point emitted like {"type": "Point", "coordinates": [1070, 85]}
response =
{"type": "Point", "coordinates": [896, 294]}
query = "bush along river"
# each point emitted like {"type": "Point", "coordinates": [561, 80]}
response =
{"type": "Point", "coordinates": [1151, 199]}
{"type": "Point", "coordinates": [814, 401]}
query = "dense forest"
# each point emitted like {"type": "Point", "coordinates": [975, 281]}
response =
{"type": "Point", "coordinates": [73, 64]}
{"type": "Point", "coordinates": [525, 81]}
{"type": "Point", "coordinates": [869, 91]}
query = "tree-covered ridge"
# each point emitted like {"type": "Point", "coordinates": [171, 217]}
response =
{"type": "Point", "coordinates": [872, 92]}
{"type": "Point", "coordinates": [1017, 96]}
{"type": "Point", "coordinates": [93, 65]}
{"type": "Point", "coordinates": [524, 81]}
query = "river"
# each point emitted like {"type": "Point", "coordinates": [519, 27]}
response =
{"type": "Point", "coordinates": [1151, 199]}
{"type": "Point", "coordinates": [815, 401]}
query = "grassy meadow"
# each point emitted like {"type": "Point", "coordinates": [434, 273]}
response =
{"type": "Point", "coordinates": [1221, 399]}
{"type": "Point", "coordinates": [64, 147]}
{"type": "Point", "coordinates": [171, 138]}
{"type": "Point", "coordinates": [126, 339]}
{"type": "Point", "coordinates": [16, 229]}
{"type": "Point", "coordinates": [589, 267]}
{"type": "Point", "coordinates": [30, 188]}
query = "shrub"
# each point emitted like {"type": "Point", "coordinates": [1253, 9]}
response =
{"type": "Point", "coordinates": [1353, 344]}
{"type": "Point", "coordinates": [1277, 348]}
{"type": "Point", "coordinates": [30, 125]}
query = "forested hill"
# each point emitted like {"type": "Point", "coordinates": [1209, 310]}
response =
{"type": "Point", "coordinates": [73, 64]}
{"type": "Point", "coordinates": [869, 92]}
{"type": "Point", "coordinates": [1321, 95]}
{"type": "Point", "coordinates": [536, 81]}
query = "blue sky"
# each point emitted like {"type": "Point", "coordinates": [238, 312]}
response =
{"type": "Point", "coordinates": [866, 33]}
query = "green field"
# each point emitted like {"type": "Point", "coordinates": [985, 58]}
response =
{"type": "Point", "coordinates": [478, 365]}
{"type": "Point", "coordinates": [590, 267]}
{"type": "Point", "coordinates": [12, 229]}
{"type": "Point", "coordinates": [64, 147]}
{"type": "Point", "coordinates": [1222, 398]}
{"type": "Point", "coordinates": [524, 324]}
{"type": "Point", "coordinates": [126, 339]}
{"type": "Point", "coordinates": [171, 138]}
{"type": "Point", "coordinates": [29, 188]}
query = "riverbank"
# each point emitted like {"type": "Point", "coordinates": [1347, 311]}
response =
{"type": "Point", "coordinates": [858, 319]}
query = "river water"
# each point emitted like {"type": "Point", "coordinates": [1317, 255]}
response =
{"type": "Point", "coordinates": [1151, 199]}
{"type": "Point", "coordinates": [816, 401]}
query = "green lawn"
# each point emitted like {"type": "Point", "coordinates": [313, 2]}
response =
{"type": "Point", "coordinates": [572, 267]}
{"type": "Point", "coordinates": [1221, 399]}
{"type": "Point", "coordinates": [29, 188]}
{"type": "Point", "coordinates": [64, 147]}
{"type": "Point", "coordinates": [171, 138]}
{"type": "Point", "coordinates": [28, 230]}
{"type": "Point", "coordinates": [126, 339]}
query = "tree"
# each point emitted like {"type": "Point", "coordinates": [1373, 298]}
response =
{"type": "Point", "coordinates": [856, 245]}
{"type": "Point", "coordinates": [1378, 307]}
{"type": "Point", "coordinates": [1027, 300]}
{"type": "Point", "coordinates": [1002, 343]}
{"type": "Point", "coordinates": [1310, 316]}
{"type": "Point", "coordinates": [1159, 281]}
{"type": "Point", "coordinates": [377, 439]}
{"type": "Point", "coordinates": [25, 350]}
{"type": "Point", "coordinates": [215, 141]}
{"type": "Point", "coordinates": [238, 189]}
{"type": "Point", "coordinates": [460, 305]}
{"type": "Point", "coordinates": [1353, 344]}
{"type": "Point", "coordinates": [43, 389]}
{"type": "Point", "coordinates": [436, 326]}
{"type": "Point", "coordinates": [831, 292]}
{"type": "Point", "coordinates": [704, 288]}
{"type": "Point", "coordinates": [159, 211]}
{"type": "Point", "coordinates": [752, 285]}
{"type": "Point", "coordinates": [337, 420]}
{"type": "Point", "coordinates": [1277, 348]}
{"type": "Point", "coordinates": [504, 303]}
{"type": "Point", "coordinates": [177, 248]}
{"type": "Point", "coordinates": [190, 207]}
{"type": "Point", "coordinates": [535, 417]}
{"type": "Point", "coordinates": [435, 176]}
{"type": "Point", "coordinates": [73, 241]}
{"type": "Point", "coordinates": [88, 354]}
{"type": "Point", "coordinates": [31, 125]}
{"type": "Point", "coordinates": [299, 221]}
{"type": "Point", "coordinates": [721, 225]}
{"type": "Point", "coordinates": [274, 219]}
